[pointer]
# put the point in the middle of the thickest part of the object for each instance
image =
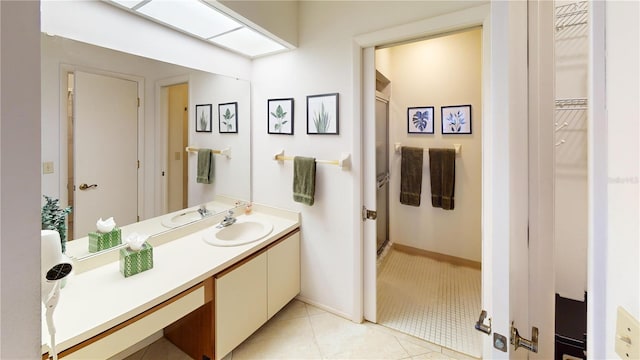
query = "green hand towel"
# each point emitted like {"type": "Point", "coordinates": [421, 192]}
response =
{"type": "Point", "coordinates": [205, 167]}
{"type": "Point", "coordinates": [448, 178]}
{"type": "Point", "coordinates": [411, 176]}
{"type": "Point", "coordinates": [304, 179]}
{"type": "Point", "coordinates": [442, 167]}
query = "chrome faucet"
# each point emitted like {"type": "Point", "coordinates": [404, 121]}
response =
{"type": "Point", "coordinates": [203, 211]}
{"type": "Point", "coordinates": [228, 220]}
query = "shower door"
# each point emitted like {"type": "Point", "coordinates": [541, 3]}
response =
{"type": "Point", "coordinates": [382, 171]}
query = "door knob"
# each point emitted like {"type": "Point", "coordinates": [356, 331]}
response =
{"type": "Point", "coordinates": [87, 187]}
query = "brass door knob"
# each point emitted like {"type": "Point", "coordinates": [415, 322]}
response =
{"type": "Point", "coordinates": [87, 187]}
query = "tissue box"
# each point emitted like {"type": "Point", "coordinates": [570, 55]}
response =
{"type": "Point", "coordinates": [102, 241]}
{"type": "Point", "coordinates": [134, 262]}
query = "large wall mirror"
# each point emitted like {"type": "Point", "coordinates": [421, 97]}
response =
{"type": "Point", "coordinates": [115, 133]}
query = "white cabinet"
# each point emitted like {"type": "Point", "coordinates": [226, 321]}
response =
{"type": "Point", "coordinates": [252, 291]}
{"type": "Point", "coordinates": [241, 303]}
{"type": "Point", "coordinates": [283, 273]}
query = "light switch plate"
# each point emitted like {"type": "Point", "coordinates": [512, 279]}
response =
{"type": "Point", "coordinates": [47, 167]}
{"type": "Point", "coordinates": [627, 335]}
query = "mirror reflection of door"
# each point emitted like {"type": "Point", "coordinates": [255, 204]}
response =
{"type": "Point", "coordinates": [105, 151]}
{"type": "Point", "coordinates": [178, 117]}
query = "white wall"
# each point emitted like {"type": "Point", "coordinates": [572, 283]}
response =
{"type": "Point", "coordinates": [58, 52]}
{"type": "Point", "coordinates": [571, 202]}
{"type": "Point", "coordinates": [438, 72]}
{"type": "Point", "coordinates": [322, 64]}
{"type": "Point", "coordinates": [623, 112]}
{"type": "Point", "coordinates": [20, 306]}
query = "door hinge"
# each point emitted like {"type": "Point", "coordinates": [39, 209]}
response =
{"type": "Point", "coordinates": [138, 102]}
{"type": "Point", "coordinates": [138, 164]}
{"type": "Point", "coordinates": [138, 217]}
{"type": "Point", "coordinates": [517, 341]}
{"type": "Point", "coordinates": [163, 173]}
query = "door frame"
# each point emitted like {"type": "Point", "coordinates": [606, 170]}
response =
{"type": "Point", "coordinates": [63, 122]}
{"type": "Point", "coordinates": [162, 139]}
{"type": "Point", "coordinates": [505, 149]}
{"type": "Point", "coordinates": [541, 249]}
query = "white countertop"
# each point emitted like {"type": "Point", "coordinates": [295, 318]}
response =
{"type": "Point", "coordinates": [96, 300]}
{"type": "Point", "coordinates": [79, 247]}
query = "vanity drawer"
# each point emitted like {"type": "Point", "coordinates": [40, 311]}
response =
{"type": "Point", "coordinates": [133, 331]}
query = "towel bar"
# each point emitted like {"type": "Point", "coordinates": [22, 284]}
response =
{"type": "Point", "coordinates": [224, 152]}
{"type": "Point", "coordinates": [456, 147]}
{"type": "Point", "coordinates": [344, 162]}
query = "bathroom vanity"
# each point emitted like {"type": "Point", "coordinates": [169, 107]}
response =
{"type": "Point", "coordinates": [205, 299]}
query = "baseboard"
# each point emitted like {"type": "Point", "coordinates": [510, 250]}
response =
{"type": "Point", "coordinates": [454, 260]}
{"type": "Point", "coordinates": [324, 307]}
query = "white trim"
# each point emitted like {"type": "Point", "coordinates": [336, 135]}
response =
{"type": "Point", "coordinates": [162, 138]}
{"type": "Point", "coordinates": [541, 135]}
{"type": "Point", "coordinates": [356, 169]}
{"type": "Point", "coordinates": [597, 185]}
{"type": "Point", "coordinates": [458, 20]}
{"type": "Point", "coordinates": [368, 165]}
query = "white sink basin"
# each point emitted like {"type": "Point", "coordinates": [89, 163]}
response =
{"type": "Point", "coordinates": [244, 231]}
{"type": "Point", "coordinates": [182, 218]}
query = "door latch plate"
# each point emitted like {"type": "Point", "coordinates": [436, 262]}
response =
{"type": "Point", "coordinates": [369, 214]}
{"type": "Point", "coordinates": [500, 342]}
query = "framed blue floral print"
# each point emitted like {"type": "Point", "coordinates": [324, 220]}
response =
{"type": "Point", "coordinates": [420, 120]}
{"type": "Point", "coordinates": [456, 119]}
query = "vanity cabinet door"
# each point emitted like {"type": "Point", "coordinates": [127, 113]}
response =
{"type": "Point", "coordinates": [283, 275]}
{"type": "Point", "coordinates": [241, 303]}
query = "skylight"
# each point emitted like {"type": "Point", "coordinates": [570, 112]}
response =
{"type": "Point", "coordinates": [203, 21]}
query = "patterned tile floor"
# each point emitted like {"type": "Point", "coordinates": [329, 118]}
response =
{"type": "Point", "coordinates": [432, 300]}
{"type": "Point", "coordinates": [302, 331]}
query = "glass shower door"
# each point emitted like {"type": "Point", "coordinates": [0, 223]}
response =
{"type": "Point", "coordinates": [382, 172]}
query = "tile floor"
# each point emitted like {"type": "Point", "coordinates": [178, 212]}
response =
{"type": "Point", "coordinates": [302, 331]}
{"type": "Point", "coordinates": [429, 299]}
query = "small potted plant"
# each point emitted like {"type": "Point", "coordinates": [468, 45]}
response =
{"type": "Point", "coordinates": [55, 218]}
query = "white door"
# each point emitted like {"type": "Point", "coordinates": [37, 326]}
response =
{"type": "Point", "coordinates": [517, 255]}
{"type": "Point", "coordinates": [106, 151]}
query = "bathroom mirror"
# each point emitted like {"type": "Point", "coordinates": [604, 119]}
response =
{"type": "Point", "coordinates": [115, 129]}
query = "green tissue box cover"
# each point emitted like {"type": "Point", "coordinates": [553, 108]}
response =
{"type": "Point", "coordinates": [134, 262]}
{"type": "Point", "coordinates": [102, 241]}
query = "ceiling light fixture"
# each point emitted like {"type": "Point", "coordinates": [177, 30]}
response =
{"type": "Point", "coordinates": [203, 21]}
